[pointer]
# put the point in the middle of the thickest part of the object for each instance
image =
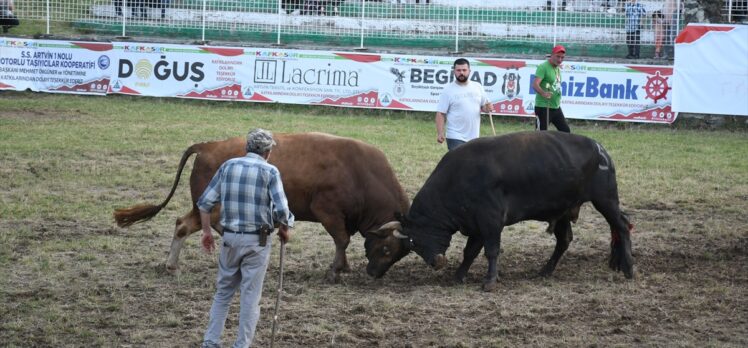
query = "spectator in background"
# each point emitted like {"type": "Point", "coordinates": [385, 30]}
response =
{"type": "Point", "coordinates": [634, 13]}
{"type": "Point", "coordinates": [658, 25]}
{"type": "Point", "coordinates": [291, 6]}
{"type": "Point", "coordinates": [670, 14]}
{"type": "Point", "coordinates": [160, 4]}
{"type": "Point", "coordinates": [7, 18]}
{"type": "Point", "coordinates": [138, 6]}
{"type": "Point", "coordinates": [551, 3]}
{"type": "Point", "coordinates": [118, 7]}
{"type": "Point", "coordinates": [135, 6]}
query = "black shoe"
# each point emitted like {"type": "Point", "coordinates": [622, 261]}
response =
{"type": "Point", "coordinates": [630, 56]}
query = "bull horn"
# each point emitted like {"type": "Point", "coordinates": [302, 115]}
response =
{"type": "Point", "coordinates": [440, 261]}
{"type": "Point", "coordinates": [397, 234]}
{"type": "Point", "coordinates": [392, 225]}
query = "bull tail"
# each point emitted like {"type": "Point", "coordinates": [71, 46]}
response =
{"type": "Point", "coordinates": [144, 212]}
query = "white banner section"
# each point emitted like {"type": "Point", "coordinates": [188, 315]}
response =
{"type": "Point", "coordinates": [55, 66]}
{"type": "Point", "coordinates": [711, 69]}
{"type": "Point", "coordinates": [387, 81]}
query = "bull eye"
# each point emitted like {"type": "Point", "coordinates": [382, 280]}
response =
{"type": "Point", "coordinates": [386, 251]}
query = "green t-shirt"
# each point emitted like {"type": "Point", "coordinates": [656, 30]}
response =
{"type": "Point", "coordinates": [551, 81]}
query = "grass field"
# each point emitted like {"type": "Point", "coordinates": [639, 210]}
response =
{"type": "Point", "coordinates": [71, 278]}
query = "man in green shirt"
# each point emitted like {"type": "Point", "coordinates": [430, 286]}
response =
{"type": "Point", "coordinates": [547, 86]}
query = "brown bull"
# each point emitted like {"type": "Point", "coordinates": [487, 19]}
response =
{"type": "Point", "coordinates": [344, 184]}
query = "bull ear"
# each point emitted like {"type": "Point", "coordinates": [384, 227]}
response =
{"type": "Point", "coordinates": [380, 233]}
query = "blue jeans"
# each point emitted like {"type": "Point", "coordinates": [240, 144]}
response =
{"type": "Point", "coordinates": [454, 143]}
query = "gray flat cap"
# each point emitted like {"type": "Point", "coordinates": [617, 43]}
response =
{"type": "Point", "coordinates": [259, 141]}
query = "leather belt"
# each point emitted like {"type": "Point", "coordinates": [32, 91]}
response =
{"type": "Point", "coordinates": [226, 230]}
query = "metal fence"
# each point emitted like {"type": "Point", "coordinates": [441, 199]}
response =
{"type": "Point", "coordinates": [450, 24]}
{"type": "Point", "coordinates": [735, 11]}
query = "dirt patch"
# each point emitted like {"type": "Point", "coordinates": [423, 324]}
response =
{"type": "Point", "coordinates": [690, 290]}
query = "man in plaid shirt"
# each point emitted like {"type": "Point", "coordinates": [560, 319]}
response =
{"type": "Point", "coordinates": [251, 195]}
{"type": "Point", "coordinates": [634, 13]}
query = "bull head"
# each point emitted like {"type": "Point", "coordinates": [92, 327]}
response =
{"type": "Point", "coordinates": [385, 246]}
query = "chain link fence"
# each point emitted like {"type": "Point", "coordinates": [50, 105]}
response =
{"type": "Point", "coordinates": [735, 11]}
{"type": "Point", "coordinates": [455, 25]}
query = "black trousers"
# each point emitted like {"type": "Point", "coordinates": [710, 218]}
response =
{"type": "Point", "coordinates": [633, 40]}
{"type": "Point", "coordinates": [555, 116]}
{"type": "Point", "coordinates": [8, 21]}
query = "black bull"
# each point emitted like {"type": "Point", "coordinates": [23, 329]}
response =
{"type": "Point", "coordinates": [490, 183]}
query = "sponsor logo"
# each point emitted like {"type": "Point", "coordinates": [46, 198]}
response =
{"type": "Point", "coordinates": [117, 86]}
{"type": "Point", "coordinates": [592, 87]}
{"type": "Point", "coordinates": [399, 88]}
{"type": "Point", "coordinates": [385, 99]}
{"type": "Point", "coordinates": [18, 43]}
{"type": "Point", "coordinates": [276, 54]}
{"type": "Point", "coordinates": [510, 86]}
{"type": "Point", "coordinates": [142, 49]}
{"type": "Point", "coordinates": [414, 60]}
{"type": "Point", "coordinates": [143, 69]}
{"type": "Point", "coordinates": [103, 62]}
{"type": "Point", "coordinates": [662, 115]}
{"type": "Point", "coordinates": [656, 87]}
{"type": "Point", "coordinates": [444, 76]}
{"type": "Point", "coordinates": [399, 74]}
{"type": "Point", "coordinates": [271, 71]}
{"type": "Point", "coordinates": [265, 71]}
{"type": "Point", "coordinates": [249, 92]}
{"type": "Point", "coordinates": [162, 70]}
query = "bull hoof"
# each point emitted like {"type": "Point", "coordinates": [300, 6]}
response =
{"type": "Point", "coordinates": [490, 285]}
{"type": "Point", "coordinates": [546, 272]}
{"type": "Point", "coordinates": [172, 270]}
{"type": "Point", "coordinates": [459, 278]}
{"type": "Point", "coordinates": [440, 262]}
{"type": "Point", "coordinates": [629, 274]}
{"type": "Point", "coordinates": [332, 277]}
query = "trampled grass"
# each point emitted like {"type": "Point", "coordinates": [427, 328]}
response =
{"type": "Point", "coordinates": [72, 278]}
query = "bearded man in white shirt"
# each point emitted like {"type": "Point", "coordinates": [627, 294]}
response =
{"type": "Point", "coordinates": [460, 104]}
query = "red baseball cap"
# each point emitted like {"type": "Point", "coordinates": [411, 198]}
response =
{"type": "Point", "coordinates": [558, 49]}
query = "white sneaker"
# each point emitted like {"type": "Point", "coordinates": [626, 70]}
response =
{"type": "Point", "coordinates": [611, 10]}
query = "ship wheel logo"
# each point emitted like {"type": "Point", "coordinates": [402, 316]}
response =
{"type": "Point", "coordinates": [656, 87]}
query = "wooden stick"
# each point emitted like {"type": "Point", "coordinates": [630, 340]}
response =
{"type": "Point", "coordinates": [280, 290]}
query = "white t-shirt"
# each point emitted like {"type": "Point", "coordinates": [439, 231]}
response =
{"type": "Point", "coordinates": [461, 104]}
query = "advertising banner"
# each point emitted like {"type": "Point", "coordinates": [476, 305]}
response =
{"type": "Point", "coordinates": [55, 66]}
{"type": "Point", "coordinates": [593, 91]}
{"type": "Point", "coordinates": [185, 71]}
{"type": "Point", "coordinates": [711, 69]}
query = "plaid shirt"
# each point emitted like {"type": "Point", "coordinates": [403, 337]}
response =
{"type": "Point", "coordinates": [250, 192]}
{"type": "Point", "coordinates": [634, 13]}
